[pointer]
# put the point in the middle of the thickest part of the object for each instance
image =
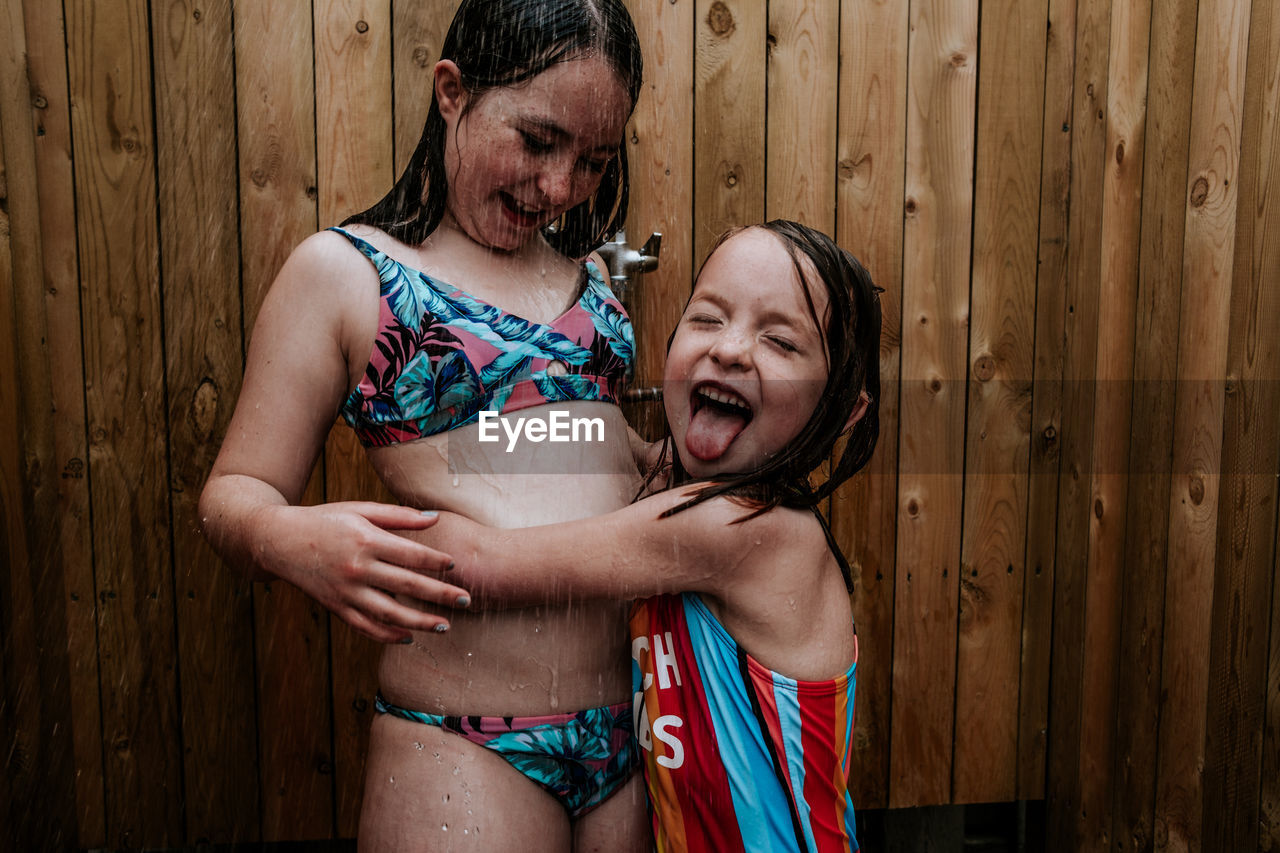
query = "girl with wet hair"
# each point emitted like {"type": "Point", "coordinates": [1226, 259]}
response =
{"type": "Point", "coordinates": [742, 641]}
{"type": "Point", "coordinates": [469, 289]}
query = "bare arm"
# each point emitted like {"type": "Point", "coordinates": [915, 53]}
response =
{"type": "Point", "coordinates": [344, 555]}
{"type": "Point", "coordinates": [629, 553]}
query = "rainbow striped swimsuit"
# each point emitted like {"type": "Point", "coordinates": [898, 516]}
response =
{"type": "Point", "coordinates": [736, 757]}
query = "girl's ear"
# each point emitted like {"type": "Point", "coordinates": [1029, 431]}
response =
{"type": "Point", "coordinates": [859, 409]}
{"type": "Point", "coordinates": [451, 95]}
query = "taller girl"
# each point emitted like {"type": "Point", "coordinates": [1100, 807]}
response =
{"type": "Point", "coordinates": [464, 290]}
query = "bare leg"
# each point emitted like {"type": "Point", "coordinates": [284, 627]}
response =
{"type": "Point", "coordinates": [620, 823]}
{"type": "Point", "coordinates": [428, 790]}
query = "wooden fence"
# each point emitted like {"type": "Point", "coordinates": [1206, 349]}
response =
{"type": "Point", "coordinates": [1067, 541]}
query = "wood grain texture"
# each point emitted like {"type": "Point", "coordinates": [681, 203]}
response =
{"type": "Point", "coordinates": [1243, 573]}
{"type": "Point", "coordinates": [802, 85]}
{"type": "Point", "coordinates": [354, 150]}
{"type": "Point", "coordinates": [19, 715]}
{"type": "Point", "coordinates": [1109, 477]}
{"type": "Point", "coordinates": [1173, 34]}
{"type": "Point", "coordinates": [200, 272]}
{"type": "Point", "coordinates": [277, 151]}
{"type": "Point", "coordinates": [112, 110]}
{"type": "Point", "coordinates": [1208, 251]}
{"type": "Point", "coordinates": [59, 322]}
{"type": "Point", "coordinates": [419, 30]}
{"type": "Point", "coordinates": [730, 97]}
{"type": "Point", "coordinates": [1063, 786]}
{"type": "Point", "coordinates": [660, 141]}
{"type": "Point", "coordinates": [37, 712]}
{"type": "Point", "coordinates": [936, 256]}
{"type": "Point", "coordinates": [998, 422]}
{"type": "Point", "coordinates": [1046, 404]}
{"type": "Point", "coordinates": [870, 173]}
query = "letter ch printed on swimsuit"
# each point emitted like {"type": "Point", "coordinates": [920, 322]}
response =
{"type": "Point", "coordinates": [441, 356]}
{"type": "Point", "coordinates": [737, 757]}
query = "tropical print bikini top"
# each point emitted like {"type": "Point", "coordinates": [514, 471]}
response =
{"type": "Point", "coordinates": [441, 356]}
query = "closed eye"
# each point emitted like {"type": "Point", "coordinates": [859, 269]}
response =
{"type": "Point", "coordinates": [535, 143]}
{"type": "Point", "coordinates": [783, 344]}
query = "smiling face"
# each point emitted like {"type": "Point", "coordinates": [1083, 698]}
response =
{"type": "Point", "coordinates": [517, 157]}
{"type": "Point", "coordinates": [747, 365]}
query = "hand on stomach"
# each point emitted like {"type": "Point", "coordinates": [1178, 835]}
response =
{"type": "Point", "coordinates": [547, 659]}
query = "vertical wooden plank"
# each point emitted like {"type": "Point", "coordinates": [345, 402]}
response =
{"type": "Point", "coordinates": [936, 254]}
{"type": "Point", "coordinates": [60, 420]}
{"type": "Point", "coordinates": [19, 705]}
{"type": "Point", "coordinates": [200, 268]}
{"type": "Point", "coordinates": [1046, 404]}
{"type": "Point", "coordinates": [36, 710]}
{"type": "Point", "coordinates": [354, 150]}
{"type": "Point", "coordinates": [276, 135]}
{"type": "Point", "coordinates": [871, 139]}
{"type": "Point", "coordinates": [1117, 277]}
{"type": "Point", "coordinates": [1173, 33]}
{"type": "Point", "coordinates": [1212, 193]}
{"type": "Point", "coordinates": [115, 212]}
{"type": "Point", "coordinates": [729, 100]}
{"type": "Point", "coordinates": [1079, 384]}
{"type": "Point", "coordinates": [997, 443]}
{"type": "Point", "coordinates": [1269, 795]}
{"type": "Point", "coordinates": [803, 73]}
{"type": "Point", "coordinates": [1244, 578]}
{"type": "Point", "coordinates": [419, 29]}
{"type": "Point", "coordinates": [659, 140]}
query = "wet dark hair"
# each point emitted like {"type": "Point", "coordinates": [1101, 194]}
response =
{"type": "Point", "coordinates": [850, 334]}
{"type": "Point", "coordinates": [505, 43]}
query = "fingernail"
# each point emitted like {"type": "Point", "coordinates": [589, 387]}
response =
{"type": "Point", "coordinates": [430, 513]}
{"type": "Point", "coordinates": [441, 628]}
{"type": "Point", "coordinates": [464, 601]}
{"type": "Point", "coordinates": [404, 641]}
{"type": "Point", "coordinates": [450, 566]}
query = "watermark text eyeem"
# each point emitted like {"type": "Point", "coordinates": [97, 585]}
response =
{"type": "Point", "coordinates": [558, 426]}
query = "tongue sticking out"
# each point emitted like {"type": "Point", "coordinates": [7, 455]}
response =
{"type": "Point", "coordinates": [711, 430]}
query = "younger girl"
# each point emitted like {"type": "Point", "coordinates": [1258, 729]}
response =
{"type": "Point", "coordinates": [743, 650]}
{"type": "Point", "coordinates": [464, 290]}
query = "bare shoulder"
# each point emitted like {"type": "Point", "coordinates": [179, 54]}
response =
{"type": "Point", "coordinates": [330, 261]}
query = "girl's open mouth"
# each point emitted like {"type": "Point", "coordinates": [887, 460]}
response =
{"type": "Point", "coordinates": [717, 415]}
{"type": "Point", "coordinates": [519, 214]}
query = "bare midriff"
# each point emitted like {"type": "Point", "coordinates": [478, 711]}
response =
{"type": "Point", "coordinates": [549, 659]}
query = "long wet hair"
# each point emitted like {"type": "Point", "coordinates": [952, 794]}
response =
{"type": "Point", "coordinates": [850, 334]}
{"type": "Point", "coordinates": [498, 43]}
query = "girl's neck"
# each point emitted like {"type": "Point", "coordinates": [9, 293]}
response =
{"type": "Point", "coordinates": [449, 237]}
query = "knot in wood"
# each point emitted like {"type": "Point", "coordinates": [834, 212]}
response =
{"type": "Point", "coordinates": [1195, 489]}
{"type": "Point", "coordinates": [421, 56]}
{"type": "Point", "coordinates": [1199, 191]}
{"type": "Point", "coordinates": [204, 407]}
{"type": "Point", "coordinates": [362, 26]}
{"type": "Point", "coordinates": [984, 367]}
{"type": "Point", "coordinates": [720, 20]}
